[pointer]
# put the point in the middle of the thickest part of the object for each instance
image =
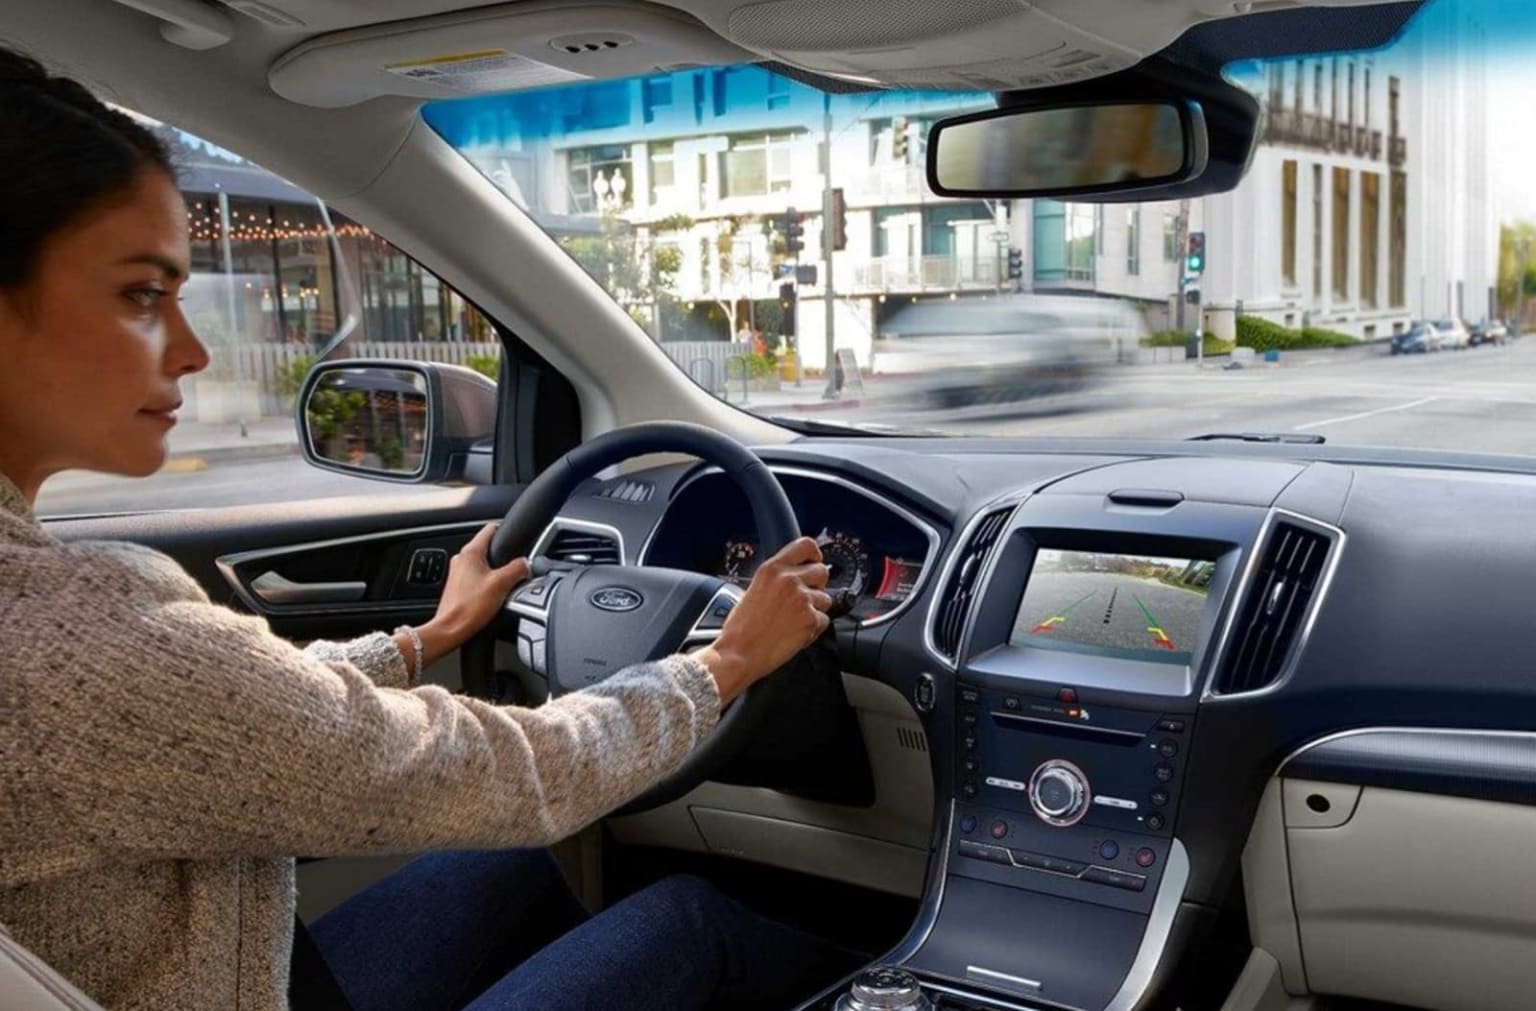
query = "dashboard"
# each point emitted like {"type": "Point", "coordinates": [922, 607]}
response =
{"type": "Point", "coordinates": [1115, 654]}
{"type": "Point", "coordinates": [877, 550]}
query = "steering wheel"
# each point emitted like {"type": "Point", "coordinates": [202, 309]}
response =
{"type": "Point", "coordinates": [587, 622]}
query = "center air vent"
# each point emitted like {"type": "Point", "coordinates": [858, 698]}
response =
{"type": "Point", "coordinates": [960, 589]}
{"type": "Point", "coordinates": [1275, 607]}
{"type": "Point", "coordinates": [583, 547]}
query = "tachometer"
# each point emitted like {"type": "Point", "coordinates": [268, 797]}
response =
{"type": "Point", "coordinates": [738, 561]}
{"type": "Point", "coordinates": [848, 559]}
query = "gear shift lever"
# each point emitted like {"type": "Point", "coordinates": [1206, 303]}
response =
{"type": "Point", "coordinates": [884, 988]}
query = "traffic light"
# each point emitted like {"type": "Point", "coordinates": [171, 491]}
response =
{"type": "Point", "coordinates": [1015, 263]}
{"type": "Point", "coordinates": [787, 306]}
{"type": "Point", "coordinates": [899, 139]}
{"type": "Point", "coordinates": [1196, 260]}
{"type": "Point", "coordinates": [839, 221]}
{"type": "Point", "coordinates": [793, 231]}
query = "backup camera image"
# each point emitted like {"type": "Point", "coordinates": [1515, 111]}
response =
{"type": "Point", "coordinates": [1139, 607]}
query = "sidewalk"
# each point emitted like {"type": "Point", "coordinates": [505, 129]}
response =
{"type": "Point", "coordinates": [193, 445]}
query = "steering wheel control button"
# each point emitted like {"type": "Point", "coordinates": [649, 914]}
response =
{"type": "Point", "coordinates": [715, 614]}
{"type": "Point", "coordinates": [1156, 822]}
{"type": "Point", "coordinates": [535, 592]}
{"type": "Point", "coordinates": [968, 824]}
{"type": "Point", "coordinates": [1167, 748]}
{"type": "Point", "coordinates": [1059, 793]}
{"type": "Point", "coordinates": [1007, 784]}
{"type": "Point", "coordinates": [1171, 726]}
{"type": "Point", "coordinates": [1115, 879]}
{"type": "Point", "coordinates": [999, 829]}
{"type": "Point", "coordinates": [1146, 857]}
{"type": "Point", "coordinates": [1159, 798]}
{"type": "Point", "coordinates": [925, 693]}
{"type": "Point", "coordinates": [1109, 849]}
{"type": "Point", "coordinates": [884, 988]}
{"type": "Point", "coordinates": [1162, 772]}
{"type": "Point", "coordinates": [525, 652]}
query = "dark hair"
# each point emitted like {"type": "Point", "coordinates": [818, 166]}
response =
{"type": "Point", "coordinates": [62, 153]}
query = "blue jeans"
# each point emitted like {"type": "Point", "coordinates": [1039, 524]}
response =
{"type": "Point", "coordinates": [497, 931]}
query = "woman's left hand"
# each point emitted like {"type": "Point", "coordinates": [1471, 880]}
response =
{"type": "Point", "coordinates": [474, 594]}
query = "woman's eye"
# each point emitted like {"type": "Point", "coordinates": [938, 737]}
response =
{"type": "Point", "coordinates": [146, 298]}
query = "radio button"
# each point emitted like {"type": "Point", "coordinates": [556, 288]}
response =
{"type": "Point", "coordinates": [999, 829]}
{"type": "Point", "coordinates": [1059, 793]}
{"type": "Point", "coordinates": [1146, 857]}
{"type": "Point", "coordinates": [1167, 748]}
{"type": "Point", "coordinates": [1156, 822]}
{"type": "Point", "coordinates": [1171, 726]}
{"type": "Point", "coordinates": [1162, 772]}
{"type": "Point", "coordinates": [1115, 879]}
{"type": "Point", "coordinates": [1159, 798]}
{"type": "Point", "coordinates": [1109, 849]}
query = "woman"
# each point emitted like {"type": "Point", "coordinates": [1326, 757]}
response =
{"type": "Point", "coordinates": [162, 760]}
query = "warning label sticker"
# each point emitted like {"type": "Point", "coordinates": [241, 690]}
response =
{"type": "Point", "coordinates": [483, 71]}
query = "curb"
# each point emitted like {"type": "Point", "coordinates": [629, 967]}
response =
{"type": "Point", "coordinates": [198, 459]}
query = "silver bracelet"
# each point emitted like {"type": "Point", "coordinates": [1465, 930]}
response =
{"type": "Point", "coordinates": [416, 647]}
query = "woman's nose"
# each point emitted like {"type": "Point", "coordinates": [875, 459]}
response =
{"type": "Point", "coordinates": [184, 353]}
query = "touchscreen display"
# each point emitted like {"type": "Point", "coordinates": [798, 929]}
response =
{"type": "Point", "coordinates": [1136, 606]}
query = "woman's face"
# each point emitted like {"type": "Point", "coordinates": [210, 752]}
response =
{"type": "Point", "coordinates": [93, 347]}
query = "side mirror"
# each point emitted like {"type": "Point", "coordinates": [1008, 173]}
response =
{"type": "Point", "coordinates": [1077, 150]}
{"type": "Point", "coordinates": [411, 422]}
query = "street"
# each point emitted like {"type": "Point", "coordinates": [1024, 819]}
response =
{"type": "Point", "coordinates": [1478, 400]}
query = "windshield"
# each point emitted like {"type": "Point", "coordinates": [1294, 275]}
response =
{"type": "Point", "coordinates": [1388, 189]}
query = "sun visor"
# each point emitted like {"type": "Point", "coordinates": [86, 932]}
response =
{"type": "Point", "coordinates": [993, 45]}
{"type": "Point", "coordinates": [495, 49]}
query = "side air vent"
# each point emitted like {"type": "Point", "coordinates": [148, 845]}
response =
{"type": "Point", "coordinates": [960, 589]}
{"type": "Point", "coordinates": [911, 739]}
{"type": "Point", "coordinates": [1274, 608]}
{"type": "Point", "coordinates": [629, 491]}
{"type": "Point", "coordinates": [583, 547]}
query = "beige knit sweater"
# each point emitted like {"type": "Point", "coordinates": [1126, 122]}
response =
{"type": "Point", "coordinates": [163, 759]}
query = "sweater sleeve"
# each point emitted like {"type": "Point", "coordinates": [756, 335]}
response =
{"type": "Point", "coordinates": [376, 655]}
{"type": "Point", "coordinates": [180, 729]}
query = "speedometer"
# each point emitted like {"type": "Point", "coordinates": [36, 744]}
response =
{"type": "Point", "coordinates": [738, 561]}
{"type": "Point", "coordinates": [848, 559]}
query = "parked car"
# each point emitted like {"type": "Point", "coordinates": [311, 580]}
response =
{"type": "Point", "coordinates": [1417, 339]}
{"type": "Point", "coordinates": [1492, 331]}
{"type": "Point", "coordinates": [1453, 334]}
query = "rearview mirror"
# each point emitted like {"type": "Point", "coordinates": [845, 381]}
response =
{"type": "Point", "coordinates": [412, 422]}
{"type": "Point", "coordinates": [1075, 150]}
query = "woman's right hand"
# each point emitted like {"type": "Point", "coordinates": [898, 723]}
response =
{"type": "Point", "coordinates": [782, 612]}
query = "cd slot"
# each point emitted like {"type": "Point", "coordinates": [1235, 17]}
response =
{"type": "Point", "coordinates": [1067, 731]}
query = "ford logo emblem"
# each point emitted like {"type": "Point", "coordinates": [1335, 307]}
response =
{"type": "Point", "coordinates": [617, 598]}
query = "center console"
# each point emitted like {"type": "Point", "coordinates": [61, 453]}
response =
{"type": "Point", "coordinates": [1062, 704]}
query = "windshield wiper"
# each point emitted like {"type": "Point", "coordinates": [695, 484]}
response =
{"type": "Point", "coordinates": [1296, 438]}
{"type": "Point", "coordinates": [864, 429]}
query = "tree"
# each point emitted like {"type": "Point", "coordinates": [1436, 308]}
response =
{"type": "Point", "coordinates": [1511, 239]}
{"type": "Point", "coordinates": [639, 273]}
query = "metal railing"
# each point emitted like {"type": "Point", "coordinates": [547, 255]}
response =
{"type": "Point", "coordinates": [926, 273]}
{"type": "Point", "coordinates": [1314, 130]}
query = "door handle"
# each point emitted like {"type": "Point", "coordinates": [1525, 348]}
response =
{"type": "Point", "coordinates": [273, 588]}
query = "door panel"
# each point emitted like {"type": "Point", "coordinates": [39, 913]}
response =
{"type": "Point", "coordinates": [370, 540]}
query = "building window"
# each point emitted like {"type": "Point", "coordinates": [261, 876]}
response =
{"type": "Point", "coordinates": [1317, 89]}
{"type": "Point", "coordinates": [1370, 231]}
{"type": "Point", "coordinates": [1317, 231]}
{"type": "Point", "coordinates": [1301, 81]}
{"type": "Point", "coordinates": [1133, 242]}
{"type": "Point", "coordinates": [1276, 85]}
{"type": "Point", "coordinates": [1098, 229]}
{"type": "Point", "coordinates": [1333, 90]}
{"type": "Point", "coordinates": [939, 225]}
{"type": "Point", "coordinates": [663, 172]}
{"type": "Point", "coordinates": [1170, 237]}
{"type": "Point", "coordinates": [1397, 241]}
{"type": "Point", "coordinates": [1288, 174]}
{"type": "Point", "coordinates": [1394, 97]}
{"type": "Point", "coordinates": [1366, 97]}
{"type": "Point", "coordinates": [1063, 241]}
{"type": "Point", "coordinates": [1351, 94]}
{"type": "Point", "coordinates": [594, 171]}
{"type": "Point", "coordinates": [1341, 233]}
{"type": "Point", "coordinates": [656, 95]}
{"type": "Point", "coordinates": [757, 164]}
{"type": "Point", "coordinates": [778, 91]}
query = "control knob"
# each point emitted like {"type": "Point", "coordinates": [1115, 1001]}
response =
{"type": "Point", "coordinates": [1059, 793]}
{"type": "Point", "coordinates": [884, 988]}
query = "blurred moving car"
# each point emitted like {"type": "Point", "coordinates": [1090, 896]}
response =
{"type": "Point", "coordinates": [1004, 349]}
{"type": "Point", "coordinates": [1417, 340]}
{"type": "Point", "coordinates": [1453, 334]}
{"type": "Point", "coordinates": [1492, 331]}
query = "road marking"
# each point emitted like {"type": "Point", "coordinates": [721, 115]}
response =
{"type": "Point", "coordinates": [1364, 414]}
{"type": "Point", "coordinates": [1159, 637]}
{"type": "Point", "coordinates": [1060, 616]}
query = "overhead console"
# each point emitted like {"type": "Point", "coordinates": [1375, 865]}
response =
{"type": "Point", "coordinates": [1071, 642]}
